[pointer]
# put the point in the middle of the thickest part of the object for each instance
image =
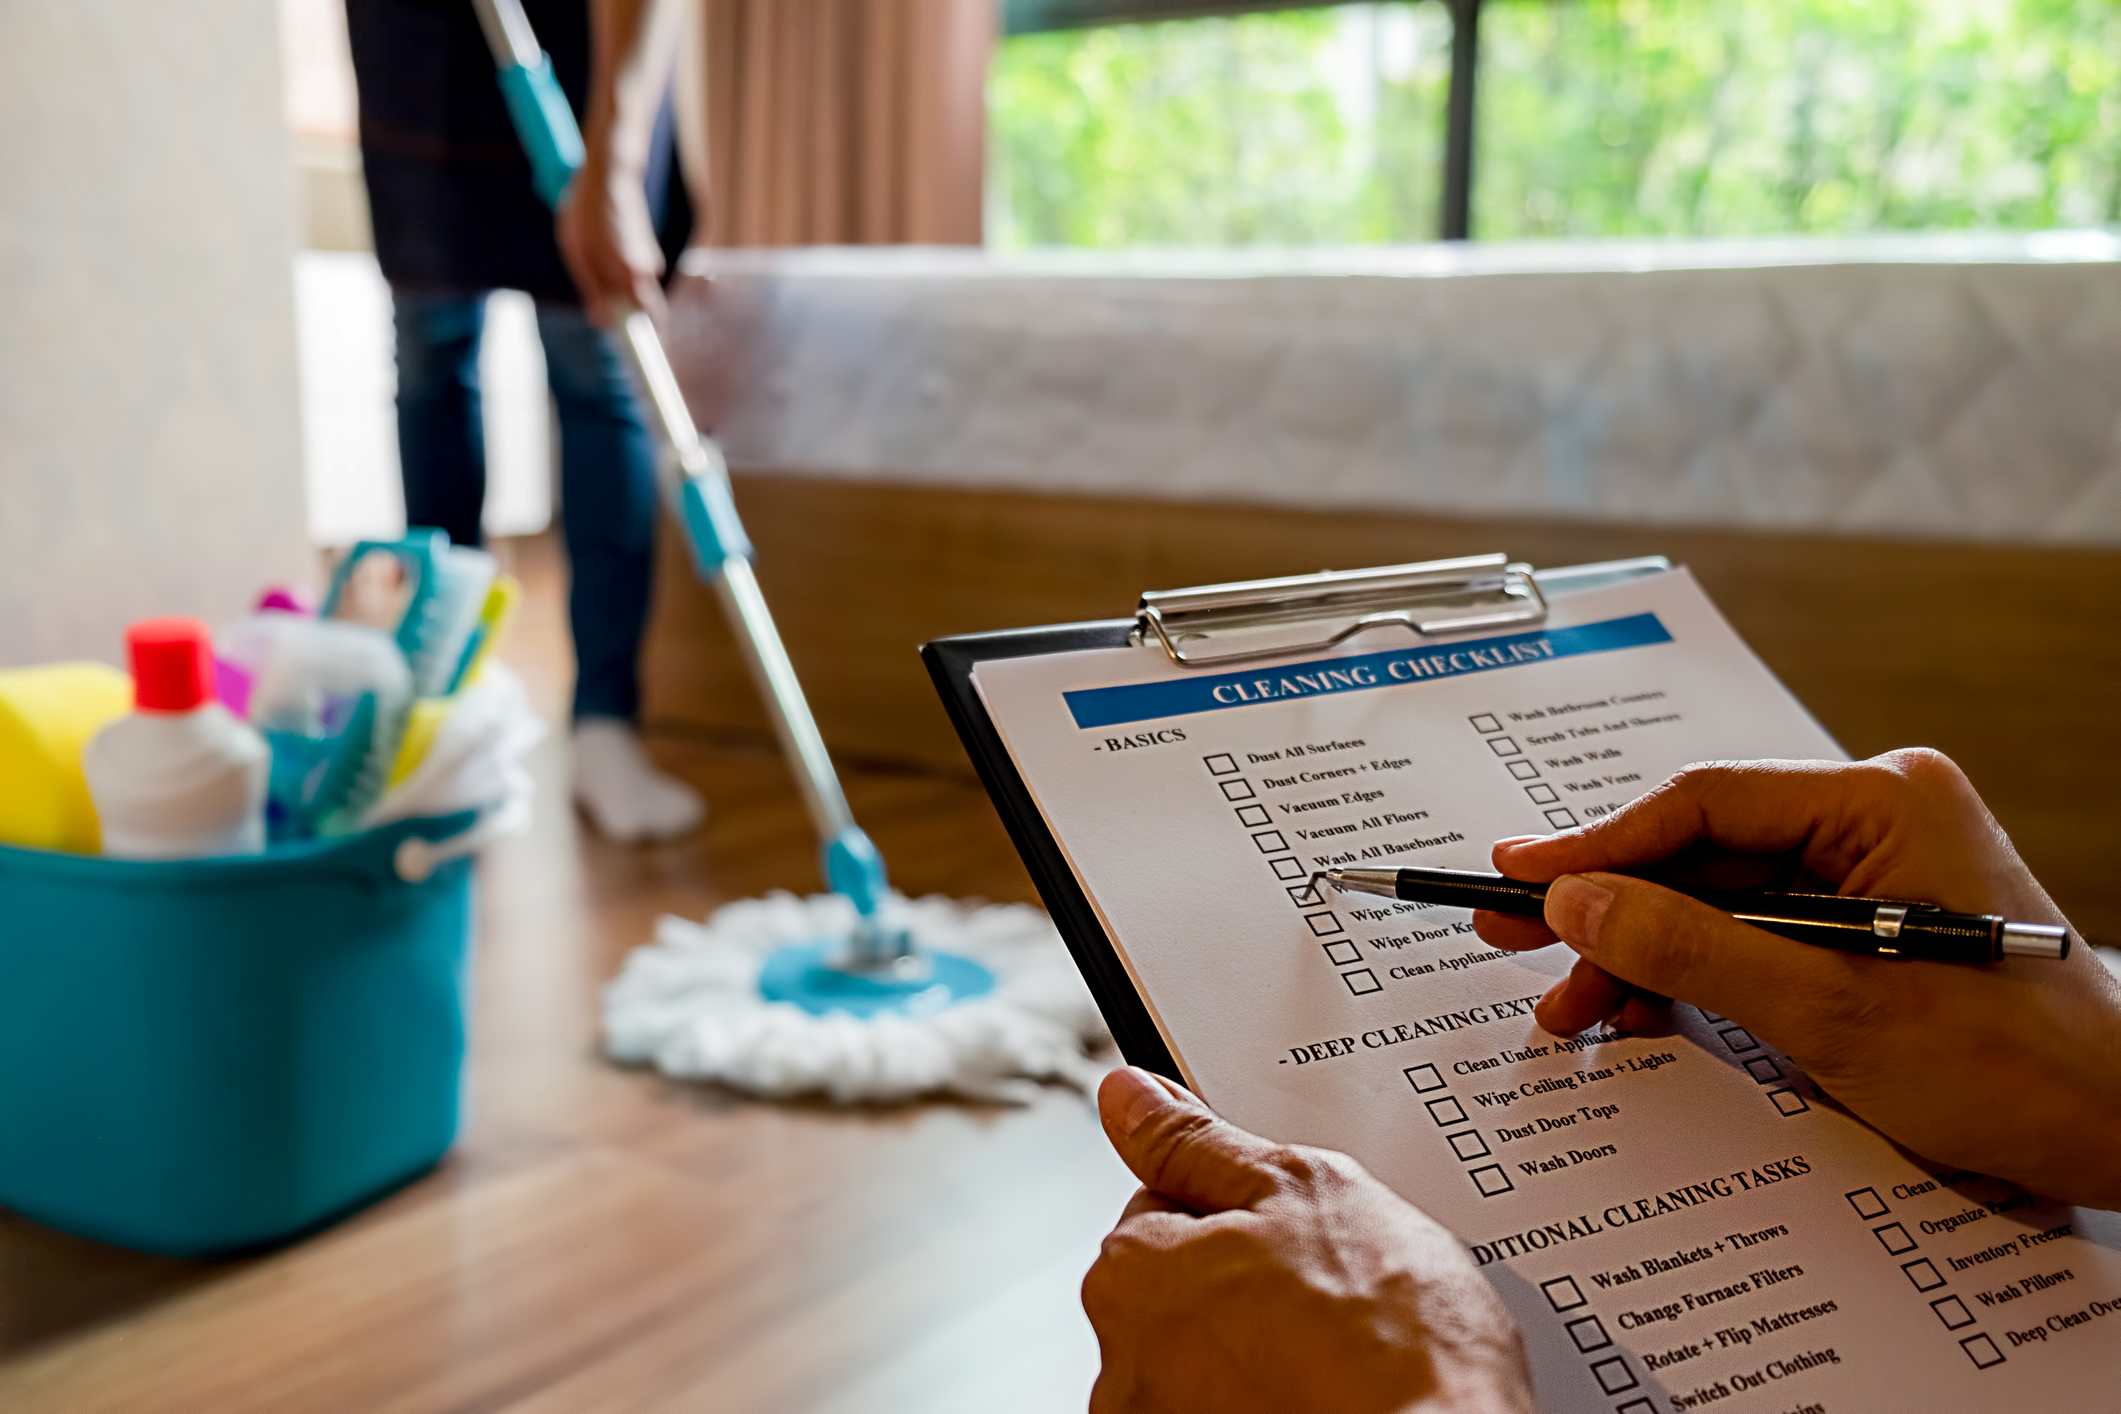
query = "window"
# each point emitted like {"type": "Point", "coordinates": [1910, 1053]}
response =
{"type": "Point", "coordinates": [1158, 122]}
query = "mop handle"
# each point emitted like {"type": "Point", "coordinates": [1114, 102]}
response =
{"type": "Point", "coordinates": [720, 548]}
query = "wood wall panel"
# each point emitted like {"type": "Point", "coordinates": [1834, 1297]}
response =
{"type": "Point", "coordinates": [2003, 657]}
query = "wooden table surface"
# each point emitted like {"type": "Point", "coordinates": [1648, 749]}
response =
{"type": "Point", "coordinates": [603, 1239]}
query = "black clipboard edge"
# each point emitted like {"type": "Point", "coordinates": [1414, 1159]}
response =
{"type": "Point", "coordinates": [950, 663]}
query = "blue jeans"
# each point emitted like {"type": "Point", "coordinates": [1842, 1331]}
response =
{"type": "Point", "coordinates": [607, 473]}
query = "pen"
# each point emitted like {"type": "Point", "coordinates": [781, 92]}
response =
{"type": "Point", "coordinates": [1875, 927]}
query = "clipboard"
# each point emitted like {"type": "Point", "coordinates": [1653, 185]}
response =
{"type": "Point", "coordinates": [1215, 626]}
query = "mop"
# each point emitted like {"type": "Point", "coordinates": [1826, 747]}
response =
{"type": "Point", "coordinates": [857, 994]}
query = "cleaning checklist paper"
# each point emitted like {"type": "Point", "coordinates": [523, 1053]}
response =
{"type": "Point", "coordinates": [1681, 1222]}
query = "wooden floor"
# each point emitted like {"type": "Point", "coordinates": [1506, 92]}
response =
{"type": "Point", "coordinates": [601, 1239]}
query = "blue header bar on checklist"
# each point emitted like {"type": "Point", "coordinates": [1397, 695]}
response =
{"type": "Point", "coordinates": [1399, 667]}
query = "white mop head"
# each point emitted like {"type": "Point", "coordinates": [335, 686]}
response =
{"type": "Point", "coordinates": [688, 1004]}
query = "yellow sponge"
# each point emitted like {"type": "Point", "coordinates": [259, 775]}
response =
{"type": "Point", "coordinates": [46, 716]}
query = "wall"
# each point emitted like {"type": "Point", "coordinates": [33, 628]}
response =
{"type": "Point", "coordinates": [150, 450]}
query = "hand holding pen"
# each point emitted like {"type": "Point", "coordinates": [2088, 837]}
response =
{"type": "Point", "coordinates": [2013, 1070]}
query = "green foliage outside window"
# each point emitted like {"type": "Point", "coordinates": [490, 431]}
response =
{"type": "Point", "coordinates": [1595, 118]}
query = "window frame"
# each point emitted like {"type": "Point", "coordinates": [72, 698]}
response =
{"type": "Point", "coordinates": [1454, 217]}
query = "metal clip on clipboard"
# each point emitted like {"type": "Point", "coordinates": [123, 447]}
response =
{"type": "Point", "coordinates": [1217, 624]}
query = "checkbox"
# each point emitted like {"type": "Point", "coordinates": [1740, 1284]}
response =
{"type": "Point", "coordinates": [1304, 896]}
{"type": "Point", "coordinates": [1425, 1078]}
{"type": "Point", "coordinates": [1446, 1111]}
{"type": "Point", "coordinates": [1363, 982]}
{"type": "Point", "coordinates": [1220, 764]}
{"type": "Point", "coordinates": [1468, 1144]}
{"type": "Point", "coordinates": [1894, 1239]}
{"type": "Point", "coordinates": [1952, 1311]}
{"type": "Point", "coordinates": [1324, 925]}
{"type": "Point", "coordinates": [1486, 723]}
{"type": "Point", "coordinates": [1787, 1102]}
{"type": "Point", "coordinates": [1589, 1334]}
{"type": "Point", "coordinates": [1866, 1202]}
{"type": "Point", "coordinates": [1541, 794]}
{"type": "Point", "coordinates": [1286, 868]}
{"type": "Point", "coordinates": [1269, 841]}
{"type": "Point", "coordinates": [1239, 789]}
{"type": "Point", "coordinates": [1614, 1374]}
{"type": "Point", "coordinates": [1504, 746]}
{"type": "Point", "coordinates": [1343, 953]}
{"type": "Point", "coordinates": [1524, 770]}
{"type": "Point", "coordinates": [1490, 1180]}
{"type": "Point", "coordinates": [1763, 1070]}
{"type": "Point", "coordinates": [1635, 1406]}
{"type": "Point", "coordinates": [1710, 1016]}
{"type": "Point", "coordinates": [1562, 819]}
{"type": "Point", "coordinates": [1737, 1038]}
{"type": "Point", "coordinates": [1562, 1293]}
{"type": "Point", "coordinates": [1923, 1273]}
{"type": "Point", "coordinates": [1982, 1351]}
{"type": "Point", "coordinates": [1253, 815]}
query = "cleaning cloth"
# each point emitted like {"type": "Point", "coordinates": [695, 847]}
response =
{"type": "Point", "coordinates": [689, 1005]}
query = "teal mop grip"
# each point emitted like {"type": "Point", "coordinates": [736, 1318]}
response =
{"type": "Point", "coordinates": [545, 125]}
{"type": "Point", "coordinates": [711, 526]}
{"type": "Point", "coordinates": [855, 871]}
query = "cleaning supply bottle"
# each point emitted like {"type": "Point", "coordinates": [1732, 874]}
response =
{"type": "Point", "coordinates": [178, 776]}
{"type": "Point", "coordinates": [47, 715]}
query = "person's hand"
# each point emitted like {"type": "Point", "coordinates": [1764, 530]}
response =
{"type": "Point", "coordinates": [1247, 1275]}
{"type": "Point", "coordinates": [608, 241]}
{"type": "Point", "coordinates": [2012, 1070]}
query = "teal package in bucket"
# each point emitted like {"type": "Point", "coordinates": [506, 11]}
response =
{"type": "Point", "coordinates": [198, 1056]}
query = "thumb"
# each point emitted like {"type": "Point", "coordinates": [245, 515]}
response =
{"type": "Point", "coordinates": [1180, 1148]}
{"type": "Point", "coordinates": [1666, 942]}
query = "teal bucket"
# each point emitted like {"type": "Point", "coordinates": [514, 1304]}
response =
{"type": "Point", "coordinates": [198, 1056]}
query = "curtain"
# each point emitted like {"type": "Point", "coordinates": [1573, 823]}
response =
{"type": "Point", "coordinates": [844, 122]}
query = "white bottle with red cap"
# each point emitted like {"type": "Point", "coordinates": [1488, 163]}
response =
{"type": "Point", "coordinates": [178, 777]}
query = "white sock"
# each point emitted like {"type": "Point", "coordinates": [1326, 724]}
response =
{"type": "Point", "coordinates": [621, 790]}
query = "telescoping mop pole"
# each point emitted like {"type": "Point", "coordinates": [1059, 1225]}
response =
{"type": "Point", "coordinates": [852, 866]}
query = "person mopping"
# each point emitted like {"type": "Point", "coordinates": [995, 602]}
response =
{"type": "Point", "coordinates": [456, 216]}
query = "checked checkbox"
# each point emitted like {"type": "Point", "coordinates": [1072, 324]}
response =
{"type": "Point", "coordinates": [1982, 1351]}
{"type": "Point", "coordinates": [1923, 1273]}
{"type": "Point", "coordinates": [1589, 1334]}
{"type": "Point", "coordinates": [1269, 841]}
{"type": "Point", "coordinates": [1894, 1239]}
{"type": "Point", "coordinates": [1562, 819]}
{"type": "Point", "coordinates": [1614, 1374]}
{"type": "Point", "coordinates": [1524, 770]}
{"type": "Point", "coordinates": [1285, 868]}
{"type": "Point", "coordinates": [1505, 746]}
{"type": "Point", "coordinates": [1254, 815]}
{"type": "Point", "coordinates": [1787, 1102]}
{"type": "Point", "coordinates": [1866, 1202]}
{"type": "Point", "coordinates": [1468, 1144]}
{"type": "Point", "coordinates": [1491, 1180]}
{"type": "Point", "coordinates": [1324, 925]}
{"type": "Point", "coordinates": [1486, 723]}
{"type": "Point", "coordinates": [1362, 982]}
{"type": "Point", "coordinates": [1239, 789]}
{"type": "Point", "coordinates": [1541, 793]}
{"type": "Point", "coordinates": [1562, 1293]}
{"type": "Point", "coordinates": [1343, 953]}
{"type": "Point", "coordinates": [1952, 1311]}
{"type": "Point", "coordinates": [1446, 1111]}
{"type": "Point", "coordinates": [1304, 896]}
{"type": "Point", "coordinates": [1220, 764]}
{"type": "Point", "coordinates": [1425, 1078]}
